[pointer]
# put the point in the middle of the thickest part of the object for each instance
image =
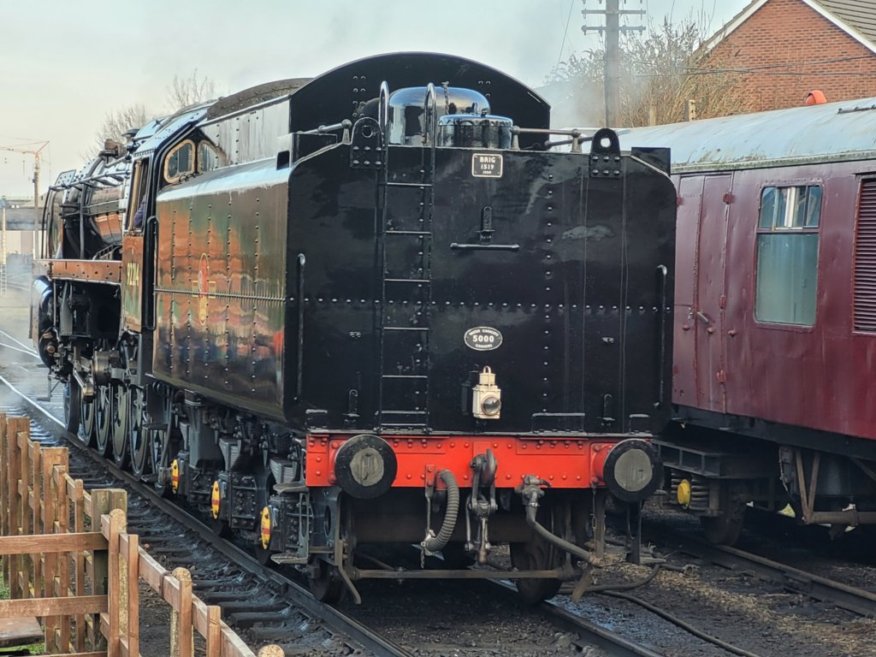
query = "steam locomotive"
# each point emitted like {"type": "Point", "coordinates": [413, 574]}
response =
{"type": "Point", "coordinates": [371, 307]}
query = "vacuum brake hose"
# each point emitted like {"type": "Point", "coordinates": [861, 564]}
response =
{"type": "Point", "coordinates": [541, 530]}
{"type": "Point", "coordinates": [435, 543]}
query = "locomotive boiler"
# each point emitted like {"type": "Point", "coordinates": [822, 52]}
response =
{"type": "Point", "coordinates": [372, 307]}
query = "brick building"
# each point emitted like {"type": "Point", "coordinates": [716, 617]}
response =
{"type": "Point", "coordinates": [782, 49]}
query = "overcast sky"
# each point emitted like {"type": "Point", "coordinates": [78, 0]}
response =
{"type": "Point", "coordinates": [65, 64]}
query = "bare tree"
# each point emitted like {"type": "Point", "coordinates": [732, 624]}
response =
{"type": "Point", "coordinates": [120, 121]}
{"type": "Point", "coordinates": [186, 91]}
{"type": "Point", "coordinates": [666, 67]}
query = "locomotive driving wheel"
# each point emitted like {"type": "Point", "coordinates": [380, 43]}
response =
{"type": "Point", "coordinates": [103, 409]}
{"type": "Point", "coordinates": [72, 405]}
{"type": "Point", "coordinates": [139, 437]}
{"type": "Point", "coordinates": [120, 424]}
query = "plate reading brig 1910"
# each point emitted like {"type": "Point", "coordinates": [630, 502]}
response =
{"type": "Point", "coordinates": [486, 165]}
{"type": "Point", "coordinates": [483, 338]}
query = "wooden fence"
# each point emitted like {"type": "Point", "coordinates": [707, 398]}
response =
{"type": "Point", "coordinates": [69, 560]}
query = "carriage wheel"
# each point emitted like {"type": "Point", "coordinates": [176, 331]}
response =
{"type": "Point", "coordinates": [103, 411]}
{"type": "Point", "coordinates": [325, 581]}
{"type": "Point", "coordinates": [139, 436]}
{"type": "Point", "coordinates": [120, 424]}
{"type": "Point", "coordinates": [72, 405]}
{"type": "Point", "coordinates": [725, 528]}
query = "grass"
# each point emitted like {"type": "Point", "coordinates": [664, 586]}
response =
{"type": "Point", "coordinates": [31, 648]}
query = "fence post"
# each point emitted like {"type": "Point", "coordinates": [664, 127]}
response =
{"type": "Point", "coordinates": [13, 472]}
{"type": "Point", "coordinates": [100, 504]}
{"type": "Point", "coordinates": [23, 514]}
{"type": "Point", "coordinates": [130, 604]}
{"type": "Point", "coordinates": [181, 637]}
{"type": "Point", "coordinates": [214, 631]}
{"type": "Point", "coordinates": [77, 499]}
{"type": "Point", "coordinates": [5, 477]}
{"type": "Point", "coordinates": [117, 524]}
{"type": "Point", "coordinates": [49, 458]}
{"type": "Point", "coordinates": [59, 499]}
{"type": "Point", "coordinates": [33, 499]}
{"type": "Point", "coordinates": [4, 488]}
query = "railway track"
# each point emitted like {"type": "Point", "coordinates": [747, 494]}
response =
{"type": "Point", "coordinates": [265, 605]}
{"type": "Point", "coordinates": [260, 603]}
{"type": "Point", "coordinates": [857, 600]}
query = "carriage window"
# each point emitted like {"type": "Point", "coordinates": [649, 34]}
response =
{"type": "Point", "coordinates": [179, 162]}
{"type": "Point", "coordinates": [787, 254]}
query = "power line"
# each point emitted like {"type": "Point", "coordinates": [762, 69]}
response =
{"type": "Point", "coordinates": [565, 31]}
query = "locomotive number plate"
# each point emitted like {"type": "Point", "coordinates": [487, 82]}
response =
{"type": "Point", "coordinates": [486, 165]}
{"type": "Point", "coordinates": [483, 338]}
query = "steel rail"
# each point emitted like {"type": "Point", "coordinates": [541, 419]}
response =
{"type": "Point", "coordinates": [589, 633]}
{"type": "Point", "coordinates": [612, 643]}
{"type": "Point", "coordinates": [296, 594]}
{"type": "Point", "coordinates": [850, 598]}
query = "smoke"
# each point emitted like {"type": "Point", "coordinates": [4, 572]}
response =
{"type": "Point", "coordinates": [574, 104]}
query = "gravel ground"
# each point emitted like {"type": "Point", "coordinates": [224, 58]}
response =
{"type": "Point", "coordinates": [468, 618]}
{"type": "Point", "coordinates": [453, 619]}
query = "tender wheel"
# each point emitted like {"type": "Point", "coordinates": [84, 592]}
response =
{"type": "Point", "coordinates": [121, 425]}
{"type": "Point", "coordinates": [139, 437]}
{"type": "Point", "coordinates": [535, 555]}
{"type": "Point", "coordinates": [538, 554]}
{"type": "Point", "coordinates": [87, 411]}
{"type": "Point", "coordinates": [325, 582]}
{"type": "Point", "coordinates": [72, 405]}
{"type": "Point", "coordinates": [103, 411]}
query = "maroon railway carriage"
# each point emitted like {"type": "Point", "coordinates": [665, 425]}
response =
{"type": "Point", "coordinates": [775, 315]}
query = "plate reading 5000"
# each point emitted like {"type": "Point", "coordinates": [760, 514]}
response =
{"type": "Point", "coordinates": [486, 165]}
{"type": "Point", "coordinates": [483, 338]}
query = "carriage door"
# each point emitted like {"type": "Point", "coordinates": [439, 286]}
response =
{"type": "Point", "coordinates": [710, 297]}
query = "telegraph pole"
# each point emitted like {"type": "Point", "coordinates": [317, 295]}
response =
{"type": "Point", "coordinates": [612, 28]}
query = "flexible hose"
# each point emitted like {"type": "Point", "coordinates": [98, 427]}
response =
{"type": "Point", "coordinates": [552, 538]}
{"type": "Point", "coordinates": [435, 543]}
{"type": "Point", "coordinates": [682, 624]}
